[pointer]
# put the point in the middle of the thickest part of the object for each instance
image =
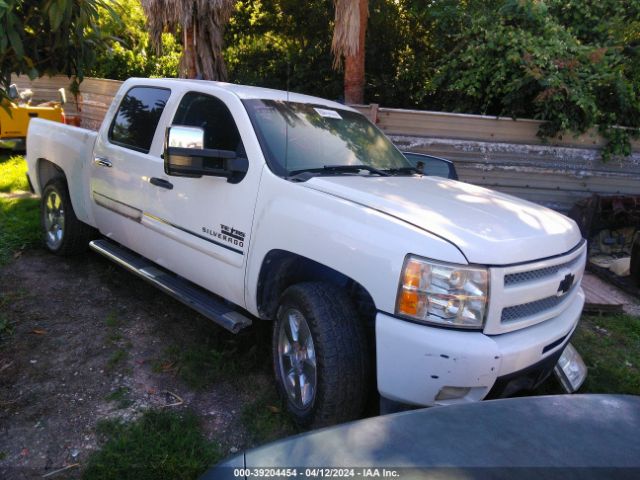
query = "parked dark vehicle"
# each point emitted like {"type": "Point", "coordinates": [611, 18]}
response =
{"type": "Point", "coordinates": [564, 436]}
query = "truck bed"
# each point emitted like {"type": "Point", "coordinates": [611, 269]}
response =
{"type": "Point", "coordinates": [70, 149]}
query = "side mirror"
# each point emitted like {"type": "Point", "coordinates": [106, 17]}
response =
{"type": "Point", "coordinates": [185, 156]}
{"type": "Point", "coordinates": [432, 166]}
{"type": "Point", "coordinates": [62, 95]}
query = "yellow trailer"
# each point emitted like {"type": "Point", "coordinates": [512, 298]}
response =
{"type": "Point", "coordinates": [16, 111]}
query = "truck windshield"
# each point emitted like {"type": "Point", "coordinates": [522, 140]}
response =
{"type": "Point", "coordinates": [301, 137]}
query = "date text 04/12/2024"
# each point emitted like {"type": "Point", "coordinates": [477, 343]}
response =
{"type": "Point", "coordinates": [315, 473]}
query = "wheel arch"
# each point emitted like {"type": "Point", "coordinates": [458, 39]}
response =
{"type": "Point", "coordinates": [46, 171]}
{"type": "Point", "coordinates": [281, 269]}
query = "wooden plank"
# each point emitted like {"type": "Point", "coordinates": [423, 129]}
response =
{"type": "Point", "coordinates": [602, 297]}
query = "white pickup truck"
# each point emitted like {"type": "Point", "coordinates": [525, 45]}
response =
{"type": "Point", "coordinates": [254, 204]}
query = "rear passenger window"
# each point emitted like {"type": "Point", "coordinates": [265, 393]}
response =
{"type": "Point", "coordinates": [211, 114]}
{"type": "Point", "coordinates": [137, 118]}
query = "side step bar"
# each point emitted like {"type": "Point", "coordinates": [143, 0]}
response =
{"type": "Point", "coordinates": [191, 295]}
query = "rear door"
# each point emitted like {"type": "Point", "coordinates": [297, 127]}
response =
{"type": "Point", "coordinates": [121, 163]}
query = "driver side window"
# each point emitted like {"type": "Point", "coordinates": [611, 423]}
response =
{"type": "Point", "coordinates": [211, 114]}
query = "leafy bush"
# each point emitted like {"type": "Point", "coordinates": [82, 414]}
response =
{"type": "Point", "coordinates": [522, 61]}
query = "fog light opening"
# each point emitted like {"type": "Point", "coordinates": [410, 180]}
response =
{"type": "Point", "coordinates": [570, 369]}
{"type": "Point", "coordinates": [452, 393]}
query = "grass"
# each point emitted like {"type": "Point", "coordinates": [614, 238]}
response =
{"type": "Point", "coordinates": [6, 322]}
{"type": "Point", "coordinates": [610, 346]}
{"type": "Point", "coordinates": [6, 327]}
{"type": "Point", "coordinates": [219, 357]}
{"type": "Point", "coordinates": [113, 323]}
{"type": "Point", "coordinates": [160, 444]}
{"type": "Point", "coordinates": [19, 217]}
{"type": "Point", "coordinates": [120, 397]}
{"type": "Point", "coordinates": [265, 420]}
{"type": "Point", "coordinates": [117, 357]}
{"type": "Point", "coordinates": [116, 341]}
{"type": "Point", "coordinates": [199, 366]}
{"type": "Point", "coordinates": [13, 174]}
{"type": "Point", "coordinates": [112, 320]}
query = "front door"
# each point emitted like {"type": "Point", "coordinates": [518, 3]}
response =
{"type": "Point", "coordinates": [204, 223]}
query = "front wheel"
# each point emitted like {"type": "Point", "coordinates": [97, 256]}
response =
{"type": "Point", "coordinates": [320, 355]}
{"type": "Point", "coordinates": [63, 233]}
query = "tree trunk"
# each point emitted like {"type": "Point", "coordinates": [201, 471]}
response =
{"type": "Point", "coordinates": [354, 64]}
{"type": "Point", "coordinates": [189, 67]}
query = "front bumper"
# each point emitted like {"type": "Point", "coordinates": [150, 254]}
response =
{"type": "Point", "coordinates": [414, 361]}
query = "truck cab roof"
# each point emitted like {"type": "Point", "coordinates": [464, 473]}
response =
{"type": "Point", "coordinates": [243, 92]}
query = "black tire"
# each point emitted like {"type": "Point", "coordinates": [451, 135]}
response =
{"type": "Point", "coordinates": [69, 236]}
{"type": "Point", "coordinates": [342, 362]}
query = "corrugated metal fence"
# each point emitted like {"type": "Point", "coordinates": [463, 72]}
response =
{"type": "Point", "coordinates": [502, 154]}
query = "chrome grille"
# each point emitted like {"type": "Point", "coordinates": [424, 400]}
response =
{"type": "Point", "coordinates": [525, 294]}
{"type": "Point", "coordinates": [521, 277]}
{"type": "Point", "coordinates": [519, 312]}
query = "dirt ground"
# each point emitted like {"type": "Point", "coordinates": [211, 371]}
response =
{"type": "Point", "coordinates": [84, 330]}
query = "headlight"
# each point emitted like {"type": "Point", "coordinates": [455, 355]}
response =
{"type": "Point", "coordinates": [443, 294]}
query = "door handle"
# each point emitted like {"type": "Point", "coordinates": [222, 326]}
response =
{"type": "Point", "coordinates": [102, 162]}
{"type": "Point", "coordinates": [160, 182]}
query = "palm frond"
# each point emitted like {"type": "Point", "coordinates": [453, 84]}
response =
{"type": "Point", "coordinates": [346, 30]}
{"type": "Point", "coordinates": [204, 19]}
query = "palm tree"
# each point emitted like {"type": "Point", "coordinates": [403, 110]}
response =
{"type": "Point", "coordinates": [349, 34]}
{"type": "Point", "coordinates": [202, 24]}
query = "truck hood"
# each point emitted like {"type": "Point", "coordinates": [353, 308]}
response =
{"type": "Point", "coordinates": [489, 227]}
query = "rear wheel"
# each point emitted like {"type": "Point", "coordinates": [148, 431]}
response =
{"type": "Point", "coordinates": [63, 233]}
{"type": "Point", "coordinates": [320, 355]}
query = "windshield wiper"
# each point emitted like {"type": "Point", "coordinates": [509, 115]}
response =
{"type": "Point", "coordinates": [305, 174]}
{"type": "Point", "coordinates": [354, 168]}
{"type": "Point", "coordinates": [403, 170]}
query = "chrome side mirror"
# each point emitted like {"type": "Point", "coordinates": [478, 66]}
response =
{"type": "Point", "coordinates": [180, 136]}
{"type": "Point", "coordinates": [185, 156]}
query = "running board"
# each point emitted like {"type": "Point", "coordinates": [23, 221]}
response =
{"type": "Point", "coordinates": [186, 292]}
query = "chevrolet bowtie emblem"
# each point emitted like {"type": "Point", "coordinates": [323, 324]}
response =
{"type": "Point", "coordinates": [566, 284]}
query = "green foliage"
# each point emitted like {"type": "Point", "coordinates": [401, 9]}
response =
{"type": "Point", "coordinates": [158, 445]}
{"type": "Point", "coordinates": [522, 61]}
{"type": "Point", "coordinates": [573, 63]}
{"type": "Point", "coordinates": [269, 46]}
{"type": "Point", "coordinates": [56, 36]}
{"type": "Point", "coordinates": [127, 52]}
